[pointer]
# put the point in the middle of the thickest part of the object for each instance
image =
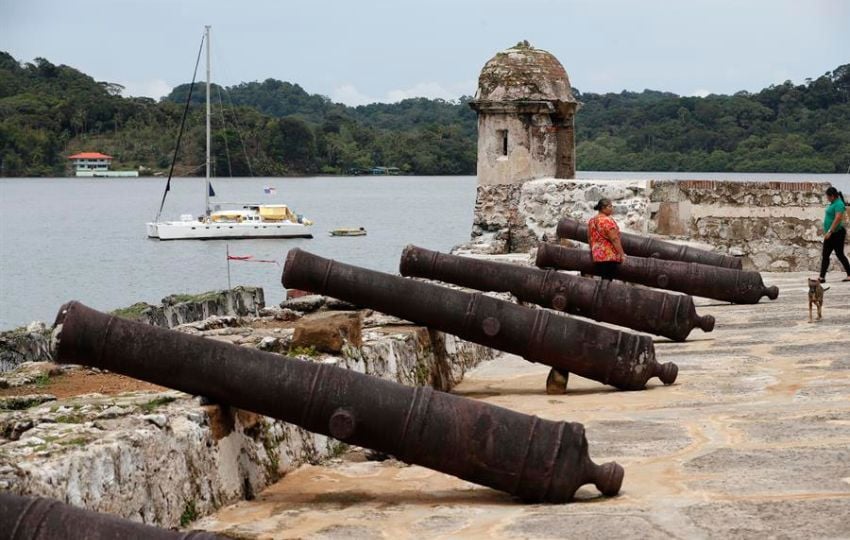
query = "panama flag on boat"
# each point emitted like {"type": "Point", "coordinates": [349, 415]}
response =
{"type": "Point", "coordinates": [269, 190]}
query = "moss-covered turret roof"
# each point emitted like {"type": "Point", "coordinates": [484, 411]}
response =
{"type": "Point", "coordinates": [523, 73]}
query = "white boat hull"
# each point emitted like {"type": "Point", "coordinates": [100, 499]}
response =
{"type": "Point", "coordinates": [194, 230]}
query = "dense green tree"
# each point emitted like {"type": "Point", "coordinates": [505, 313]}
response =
{"type": "Point", "coordinates": [274, 127]}
{"type": "Point", "coordinates": [291, 142]}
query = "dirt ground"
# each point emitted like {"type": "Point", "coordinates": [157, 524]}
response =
{"type": "Point", "coordinates": [78, 382]}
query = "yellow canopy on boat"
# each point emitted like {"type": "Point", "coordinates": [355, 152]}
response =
{"type": "Point", "coordinates": [277, 213]}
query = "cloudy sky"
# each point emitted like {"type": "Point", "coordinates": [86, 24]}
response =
{"type": "Point", "coordinates": [361, 51]}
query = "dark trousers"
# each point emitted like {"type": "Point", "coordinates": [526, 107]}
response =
{"type": "Point", "coordinates": [606, 270]}
{"type": "Point", "coordinates": [835, 243]}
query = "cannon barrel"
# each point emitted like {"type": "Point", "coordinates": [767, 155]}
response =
{"type": "Point", "coordinates": [725, 284]}
{"type": "Point", "coordinates": [646, 310]}
{"type": "Point", "coordinates": [621, 359]}
{"type": "Point", "coordinates": [532, 458]}
{"type": "Point", "coordinates": [37, 518]}
{"type": "Point", "coordinates": [645, 246]}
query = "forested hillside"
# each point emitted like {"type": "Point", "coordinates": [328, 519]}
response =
{"type": "Point", "coordinates": [784, 128]}
{"type": "Point", "coordinates": [48, 112]}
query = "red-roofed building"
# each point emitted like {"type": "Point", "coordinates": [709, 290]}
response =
{"type": "Point", "coordinates": [91, 161]}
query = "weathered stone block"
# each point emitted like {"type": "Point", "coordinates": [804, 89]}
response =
{"type": "Point", "coordinates": [31, 344]}
{"type": "Point", "coordinates": [329, 332]}
{"type": "Point", "coordinates": [304, 303]}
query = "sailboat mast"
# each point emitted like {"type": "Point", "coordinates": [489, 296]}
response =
{"type": "Point", "coordinates": [207, 190]}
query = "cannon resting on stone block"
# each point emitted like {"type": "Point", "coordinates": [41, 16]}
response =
{"type": "Point", "coordinates": [645, 246]}
{"type": "Point", "coordinates": [36, 518]}
{"type": "Point", "coordinates": [645, 310]}
{"type": "Point", "coordinates": [621, 359]}
{"type": "Point", "coordinates": [736, 286]}
{"type": "Point", "coordinates": [534, 459]}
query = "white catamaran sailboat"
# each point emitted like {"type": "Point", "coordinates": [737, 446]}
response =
{"type": "Point", "coordinates": [249, 220]}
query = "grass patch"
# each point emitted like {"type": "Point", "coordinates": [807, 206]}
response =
{"type": "Point", "coordinates": [153, 404]}
{"type": "Point", "coordinates": [16, 332]}
{"type": "Point", "coordinates": [133, 312]}
{"type": "Point", "coordinates": [20, 403]}
{"type": "Point", "coordinates": [190, 514]}
{"type": "Point", "coordinates": [42, 380]}
{"type": "Point", "coordinates": [269, 443]}
{"type": "Point", "coordinates": [303, 351]}
{"type": "Point", "coordinates": [41, 447]}
{"type": "Point", "coordinates": [181, 298]}
{"type": "Point", "coordinates": [76, 441]}
{"type": "Point", "coordinates": [72, 418]}
{"type": "Point", "coordinates": [422, 373]}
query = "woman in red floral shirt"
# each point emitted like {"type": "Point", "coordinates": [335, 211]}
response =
{"type": "Point", "coordinates": [604, 238]}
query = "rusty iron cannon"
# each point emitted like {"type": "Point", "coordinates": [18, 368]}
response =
{"type": "Point", "coordinates": [537, 460]}
{"type": "Point", "coordinates": [645, 246]}
{"type": "Point", "coordinates": [737, 286]}
{"type": "Point", "coordinates": [646, 310]}
{"type": "Point", "coordinates": [621, 359]}
{"type": "Point", "coordinates": [37, 518]}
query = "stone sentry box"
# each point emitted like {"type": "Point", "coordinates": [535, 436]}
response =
{"type": "Point", "coordinates": [526, 113]}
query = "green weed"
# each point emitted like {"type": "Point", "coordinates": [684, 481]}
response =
{"type": "Point", "coordinates": [151, 405]}
{"type": "Point", "coordinates": [190, 514]}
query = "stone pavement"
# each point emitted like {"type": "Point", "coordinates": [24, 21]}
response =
{"type": "Point", "coordinates": [753, 440]}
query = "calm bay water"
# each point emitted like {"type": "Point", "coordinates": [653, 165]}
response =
{"type": "Point", "coordinates": [84, 239]}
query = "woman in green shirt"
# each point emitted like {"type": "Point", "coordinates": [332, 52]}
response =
{"type": "Point", "coordinates": [834, 232]}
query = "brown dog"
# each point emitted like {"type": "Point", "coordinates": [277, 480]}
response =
{"type": "Point", "coordinates": [816, 297]}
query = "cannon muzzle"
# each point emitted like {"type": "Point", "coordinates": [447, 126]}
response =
{"type": "Point", "coordinates": [645, 310]}
{"type": "Point", "coordinates": [534, 459]}
{"type": "Point", "coordinates": [736, 286]}
{"type": "Point", "coordinates": [621, 359]}
{"type": "Point", "coordinates": [36, 518]}
{"type": "Point", "coordinates": [645, 246]}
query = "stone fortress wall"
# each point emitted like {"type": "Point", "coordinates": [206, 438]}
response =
{"type": "Point", "coordinates": [774, 226]}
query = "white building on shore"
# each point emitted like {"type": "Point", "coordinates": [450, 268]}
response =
{"type": "Point", "coordinates": [96, 164]}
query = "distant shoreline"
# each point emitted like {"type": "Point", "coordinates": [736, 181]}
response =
{"type": "Point", "coordinates": [685, 175]}
{"type": "Point", "coordinates": [581, 175]}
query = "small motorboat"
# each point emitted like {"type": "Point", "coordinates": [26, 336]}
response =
{"type": "Point", "coordinates": [360, 231]}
